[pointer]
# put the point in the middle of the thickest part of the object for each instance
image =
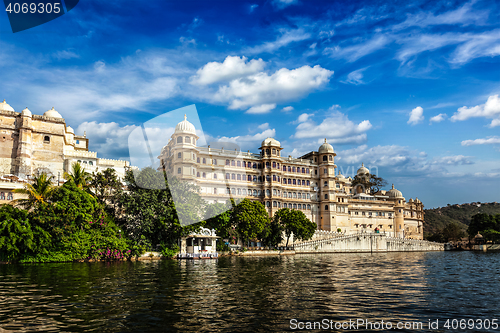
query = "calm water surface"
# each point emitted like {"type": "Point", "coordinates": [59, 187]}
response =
{"type": "Point", "coordinates": [250, 294]}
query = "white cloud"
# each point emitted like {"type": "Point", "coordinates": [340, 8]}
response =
{"type": "Point", "coordinates": [232, 68]}
{"type": "Point", "coordinates": [478, 45]}
{"type": "Point", "coordinates": [492, 140]}
{"type": "Point", "coordinates": [263, 126]}
{"type": "Point", "coordinates": [453, 160]}
{"type": "Point", "coordinates": [287, 109]}
{"type": "Point", "coordinates": [248, 142]}
{"type": "Point", "coordinates": [490, 109]}
{"type": "Point", "coordinates": [354, 52]}
{"type": "Point", "coordinates": [260, 109]}
{"type": "Point", "coordinates": [284, 3]}
{"type": "Point", "coordinates": [356, 77]}
{"type": "Point", "coordinates": [439, 118]}
{"type": "Point", "coordinates": [416, 116]}
{"type": "Point", "coordinates": [283, 85]}
{"type": "Point", "coordinates": [65, 54]}
{"type": "Point", "coordinates": [287, 37]}
{"type": "Point", "coordinates": [336, 127]}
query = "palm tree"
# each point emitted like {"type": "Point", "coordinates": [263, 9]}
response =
{"type": "Point", "coordinates": [38, 193]}
{"type": "Point", "coordinates": [78, 175]}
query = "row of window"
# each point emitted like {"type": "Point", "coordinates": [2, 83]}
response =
{"type": "Point", "coordinates": [382, 214]}
{"type": "Point", "coordinates": [9, 196]}
{"type": "Point", "coordinates": [187, 139]}
{"type": "Point", "coordinates": [268, 152]}
{"type": "Point", "coordinates": [85, 162]}
{"type": "Point", "coordinates": [277, 204]}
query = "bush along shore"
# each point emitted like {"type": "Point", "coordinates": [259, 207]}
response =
{"type": "Point", "coordinates": [98, 217]}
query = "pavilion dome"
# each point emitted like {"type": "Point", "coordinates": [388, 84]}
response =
{"type": "Point", "coordinates": [26, 112]}
{"type": "Point", "coordinates": [52, 113]}
{"type": "Point", "coordinates": [185, 127]}
{"type": "Point", "coordinates": [393, 193]}
{"type": "Point", "coordinates": [363, 170]}
{"type": "Point", "coordinates": [271, 142]}
{"type": "Point", "coordinates": [5, 107]}
{"type": "Point", "coordinates": [325, 148]}
{"type": "Point", "coordinates": [70, 130]}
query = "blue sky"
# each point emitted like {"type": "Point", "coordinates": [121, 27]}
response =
{"type": "Point", "coordinates": [411, 90]}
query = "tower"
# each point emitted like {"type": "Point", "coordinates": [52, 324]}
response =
{"type": "Point", "coordinates": [399, 205]}
{"type": "Point", "coordinates": [184, 151]}
{"type": "Point", "coordinates": [270, 152]}
{"type": "Point", "coordinates": [327, 196]}
{"type": "Point", "coordinates": [25, 144]}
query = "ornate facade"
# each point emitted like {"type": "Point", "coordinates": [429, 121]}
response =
{"type": "Point", "coordinates": [309, 183]}
{"type": "Point", "coordinates": [31, 144]}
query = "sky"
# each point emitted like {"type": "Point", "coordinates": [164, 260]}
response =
{"type": "Point", "coordinates": [409, 89]}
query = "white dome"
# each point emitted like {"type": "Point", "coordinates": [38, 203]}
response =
{"type": "Point", "coordinates": [393, 193]}
{"type": "Point", "coordinates": [271, 142]}
{"type": "Point", "coordinates": [70, 130]}
{"type": "Point", "coordinates": [363, 170]}
{"type": "Point", "coordinates": [5, 107]}
{"type": "Point", "coordinates": [325, 148]}
{"type": "Point", "coordinates": [26, 112]}
{"type": "Point", "coordinates": [185, 127]}
{"type": "Point", "coordinates": [341, 177]}
{"type": "Point", "coordinates": [52, 113]}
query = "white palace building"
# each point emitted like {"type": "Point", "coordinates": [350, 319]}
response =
{"type": "Point", "coordinates": [308, 183]}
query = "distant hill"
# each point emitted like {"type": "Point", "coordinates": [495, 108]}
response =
{"type": "Point", "coordinates": [437, 218]}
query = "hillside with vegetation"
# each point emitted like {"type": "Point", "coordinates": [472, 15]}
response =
{"type": "Point", "coordinates": [437, 219]}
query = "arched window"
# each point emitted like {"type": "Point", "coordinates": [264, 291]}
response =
{"type": "Point", "coordinates": [308, 206]}
{"type": "Point", "coordinates": [238, 163]}
{"type": "Point", "coordinates": [278, 166]}
{"type": "Point", "coordinates": [278, 178]}
{"type": "Point", "coordinates": [179, 155]}
{"type": "Point", "coordinates": [289, 169]}
{"type": "Point", "coordinates": [299, 206]}
{"type": "Point", "coordinates": [254, 193]}
{"type": "Point", "coordinates": [294, 182]}
{"type": "Point", "coordinates": [268, 178]}
{"type": "Point", "coordinates": [227, 176]}
{"type": "Point", "coordinates": [244, 191]}
{"type": "Point", "coordinates": [274, 153]}
{"type": "Point", "coordinates": [274, 192]}
{"type": "Point", "coordinates": [249, 178]}
{"type": "Point", "coordinates": [299, 196]}
{"type": "Point", "coordinates": [238, 177]}
{"type": "Point", "coordinates": [233, 176]}
{"type": "Point", "coordinates": [215, 190]}
{"type": "Point", "coordinates": [9, 196]}
{"type": "Point", "coordinates": [274, 178]}
{"type": "Point", "coordinates": [198, 174]}
{"type": "Point", "coordinates": [289, 181]}
{"type": "Point", "coordinates": [289, 194]}
{"type": "Point", "coordinates": [308, 196]}
{"type": "Point", "coordinates": [293, 169]}
{"type": "Point", "coordinates": [232, 163]}
{"type": "Point", "coordinates": [308, 183]}
{"type": "Point", "coordinates": [198, 160]}
{"type": "Point", "coordinates": [326, 207]}
{"type": "Point", "coordinates": [227, 162]}
{"type": "Point", "coordinates": [179, 171]}
{"type": "Point", "coordinates": [294, 195]}
{"type": "Point", "coordinates": [254, 178]}
{"type": "Point", "coordinates": [204, 161]}
{"type": "Point", "coordinates": [274, 165]}
{"type": "Point", "coordinates": [325, 158]}
{"type": "Point", "coordinates": [284, 180]}
{"type": "Point", "coordinates": [303, 170]}
{"type": "Point", "coordinates": [325, 171]}
{"type": "Point", "coordinates": [294, 206]}
{"type": "Point", "coordinates": [284, 168]}
{"type": "Point", "coordinates": [2, 196]}
{"type": "Point", "coordinates": [268, 165]}
{"type": "Point", "coordinates": [330, 158]}
{"type": "Point", "coordinates": [275, 204]}
{"type": "Point", "coordinates": [307, 170]}
{"type": "Point", "coordinates": [179, 139]}
{"type": "Point", "coordinates": [267, 151]}
{"type": "Point", "coordinates": [187, 139]}
{"type": "Point", "coordinates": [239, 191]}
{"type": "Point", "coordinates": [326, 183]}
{"type": "Point", "coordinates": [244, 164]}
{"type": "Point", "coordinates": [279, 204]}
{"type": "Point", "coordinates": [215, 176]}
{"type": "Point", "coordinates": [268, 193]}
{"type": "Point", "coordinates": [255, 165]}
{"type": "Point", "coordinates": [91, 163]}
{"type": "Point", "coordinates": [326, 196]}
{"type": "Point", "coordinates": [285, 205]}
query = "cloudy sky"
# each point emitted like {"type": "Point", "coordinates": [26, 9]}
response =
{"type": "Point", "coordinates": [411, 90]}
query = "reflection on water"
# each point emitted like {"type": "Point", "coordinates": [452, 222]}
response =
{"type": "Point", "coordinates": [251, 294]}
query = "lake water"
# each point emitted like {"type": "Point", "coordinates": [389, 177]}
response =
{"type": "Point", "coordinates": [253, 294]}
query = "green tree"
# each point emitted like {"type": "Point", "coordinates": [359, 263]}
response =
{"type": "Point", "coordinates": [250, 219]}
{"type": "Point", "coordinates": [452, 232]}
{"type": "Point", "coordinates": [373, 183]}
{"type": "Point", "coordinates": [15, 233]}
{"type": "Point", "coordinates": [221, 218]}
{"type": "Point", "coordinates": [480, 222]}
{"type": "Point", "coordinates": [39, 192]}
{"type": "Point", "coordinates": [78, 176]}
{"type": "Point", "coordinates": [295, 222]}
{"type": "Point", "coordinates": [107, 188]}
